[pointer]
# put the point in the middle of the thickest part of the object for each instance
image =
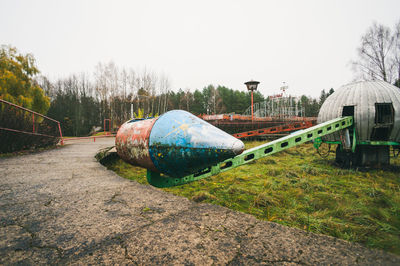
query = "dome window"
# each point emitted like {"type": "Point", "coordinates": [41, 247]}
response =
{"type": "Point", "coordinates": [384, 116]}
{"type": "Point", "coordinates": [384, 113]}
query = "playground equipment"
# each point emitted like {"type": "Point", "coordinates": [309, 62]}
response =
{"type": "Point", "coordinates": [176, 144]}
{"type": "Point", "coordinates": [178, 148]}
{"type": "Point", "coordinates": [375, 106]}
{"type": "Point", "coordinates": [279, 106]}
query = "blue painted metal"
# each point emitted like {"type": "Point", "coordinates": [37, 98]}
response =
{"type": "Point", "coordinates": [175, 144]}
{"type": "Point", "coordinates": [181, 144]}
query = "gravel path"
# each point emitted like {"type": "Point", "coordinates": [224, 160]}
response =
{"type": "Point", "coordinates": [62, 207]}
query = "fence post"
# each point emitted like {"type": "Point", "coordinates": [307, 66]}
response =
{"type": "Point", "coordinates": [33, 122]}
{"type": "Point", "coordinates": [62, 140]}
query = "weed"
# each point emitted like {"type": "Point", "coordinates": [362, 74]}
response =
{"type": "Point", "coordinates": [146, 209]}
{"type": "Point", "coordinates": [269, 161]}
{"type": "Point", "coordinates": [264, 199]}
{"type": "Point", "coordinates": [202, 196]}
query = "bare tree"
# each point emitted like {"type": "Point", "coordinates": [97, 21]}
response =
{"type": "Point", "coordinates": [46, 85]}
{"type": "Point", "coordinates": [188, 98]}
{"type": "Point", "coordinates": [118, 88]}
{"type": "Point", "coordinates": [164, 85]}
{"type": "Point", "coordinates": [146, 86]}
{"type": "Point", "coordinates": [396, 53]}
{"type": "Point", "coordinates": [101, 88]}
{"type": "Point", "coordinates": [374, 55]}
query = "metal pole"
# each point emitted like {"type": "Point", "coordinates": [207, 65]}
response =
{"type": "Point", "coordinates": [33, 122]}
{"type": "Point", "coordinates": [252, 115]}
{"type": "Point", "coordinates": [59, 129]}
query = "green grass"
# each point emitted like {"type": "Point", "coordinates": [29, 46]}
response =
{"type": "Point", "coordinates": [300, 189]}
{"type": "Point", "coordinates": [101, 133]}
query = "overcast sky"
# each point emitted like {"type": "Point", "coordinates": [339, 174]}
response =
{"type": "Point", "coordinates": [307, 44]}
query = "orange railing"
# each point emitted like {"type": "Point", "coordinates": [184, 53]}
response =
{"type": "Point", "coordinates": [35, 129]}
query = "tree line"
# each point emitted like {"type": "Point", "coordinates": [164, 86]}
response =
{"type": "Point", "coordinates": [81, 103]}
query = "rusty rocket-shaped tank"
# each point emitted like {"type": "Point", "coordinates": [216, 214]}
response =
{"type": "Point", "coordinates": [176, 144]}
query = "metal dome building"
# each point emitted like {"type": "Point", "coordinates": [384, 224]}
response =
{"type": "Point", "coordinates": [375, 106]}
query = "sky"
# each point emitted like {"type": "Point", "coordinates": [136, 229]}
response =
{"type": "Point", "coordinates": [306, 44]}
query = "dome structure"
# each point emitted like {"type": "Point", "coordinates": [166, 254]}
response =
{"type": "Point", "coordinates": [375, 106]}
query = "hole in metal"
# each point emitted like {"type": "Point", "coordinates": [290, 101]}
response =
{"type": "Point", "coordinates": [268, 150]}
{"type": "Point", "coordinates": [226, 165]}
{"type": "Point", "coordinates": [249, 157]}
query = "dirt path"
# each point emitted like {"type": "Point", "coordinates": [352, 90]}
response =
{"type": "Point", "coordinates": [61, 206]}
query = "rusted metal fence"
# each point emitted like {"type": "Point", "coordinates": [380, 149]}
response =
{"type": "Point", "coordinates": [21, 128]}
{"type": "Point", "coordinates": [274, 130]}
{"type": "Point", "coordinates": [107, 135]}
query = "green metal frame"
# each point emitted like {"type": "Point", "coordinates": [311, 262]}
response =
{"type": "Point", "coordinates": [297, 138]}
{"type": "Point", "coordinates": [377, 143]}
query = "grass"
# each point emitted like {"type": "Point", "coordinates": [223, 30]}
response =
{"type": "Point", "coordinates": [300, 189]}
{"type": "Point", "coordinates": [101, 133]}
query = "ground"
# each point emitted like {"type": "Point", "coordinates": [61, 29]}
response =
{"type": "Point", "coordinates": [299, 188]}
{"type": "Point", "coordinates": [61, 206]}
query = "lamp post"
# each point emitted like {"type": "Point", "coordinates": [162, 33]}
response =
{"type": "Point", "coordinates": [252, 86]}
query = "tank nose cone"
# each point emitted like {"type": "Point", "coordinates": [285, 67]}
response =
{"type": "Point", "coordinates": [181, 144]}
{"type": "Point", "coordinates": [238, 147]}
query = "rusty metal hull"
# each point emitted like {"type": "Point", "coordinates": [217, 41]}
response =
{"type": "Point", "coordinates": [176, 144]}
{"type": "Point", "coordinates": [132, 142]}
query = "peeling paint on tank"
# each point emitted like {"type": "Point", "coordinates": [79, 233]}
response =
{"type": "Point", "coordinates": [176, 144]}
{"type": "Point", "coordinates": [132, 142]}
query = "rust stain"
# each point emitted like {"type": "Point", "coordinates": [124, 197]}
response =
{"type": "Point", "coordinates": [132, 142]}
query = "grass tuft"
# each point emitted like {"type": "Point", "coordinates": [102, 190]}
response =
{"type": "Point", "coordinates": [202, 196]}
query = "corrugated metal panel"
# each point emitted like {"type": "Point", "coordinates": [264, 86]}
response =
{"type": "Point", "coordinates": [363, 110]}
{"type": "Point", "coordinates": [363, 95]}
{"type": "Point", "coordinates": [396, 106]}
